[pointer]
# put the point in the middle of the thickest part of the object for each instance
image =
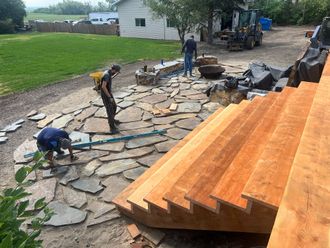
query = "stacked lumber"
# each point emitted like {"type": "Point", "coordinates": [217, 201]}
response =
{"type": "Point", "coordinates": [231, 172]}
{"type": "Point", "coordinates": [303, 219]}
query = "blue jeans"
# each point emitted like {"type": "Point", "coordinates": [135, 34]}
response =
{"type": "Point", "coordinates": [188, 63]}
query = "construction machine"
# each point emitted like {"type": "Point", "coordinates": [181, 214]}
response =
{"type": "Point", "coordinates": [246, 30]}
{"type": "Point", "coordinates": [321, 36]}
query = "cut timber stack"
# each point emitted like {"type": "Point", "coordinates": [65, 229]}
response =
{"type": "Point", "coordinates": [231, 172]}
{"type": "Point", "coordinates": [303, 219]}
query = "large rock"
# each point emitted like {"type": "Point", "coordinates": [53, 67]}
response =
{"type": "Point", "coordinates": [146, 141]}
{"type": "Point", "coordinates": [96, 125]}
{"type": "Point", "coordinates": [105, 218]}
{"type": "Point", "coordinates": [198, 97]}
{"type": "Point", "coordinates": [138, 96]}
{"type": "Point", "coordinates": [86, 113]}
{"type": "Point", "coordinates": [175, 92]}
{"type": "Point", "coordinates": [122, 94]}
{"type": "Point", "coordinates": [130, 114]}
{"type": "Point", "coordinates": [134, 125]}
{"type": "Point", "coordinates": [28, 146]}
{"type": "Point", "coordinates": [43, 123]}
{"type": "Point", "coordinates": [43, 188]}
{"type": "Point", "coordinates": [37, 117]}
{"type": "Point", "coordinates": [134, 153]}
{"type": "Point", "coordinates": [164, 105]}
{"type": "Point", "coordinates": [171, 119]}
{"type": "Point", "coordinates": [101, 113]}
{"type": "Point", "coordinates": [125, 104]}
{"type": "Point", "coordinates": [184, 86]}
{"type": "Point", "coordinates": [188, 124]}
{"type": "Point", "coordinates": [100, 208]}
{"type": "Point", "coordinates": [90, 168]}
{"type": "Point", "coordinates": [114, 185]}
{"type": "Point", "coordinates": [62, 121]}
{"type": "Point", "coordinates": [64, 215]}
{"type": "Point", "coordinates": [11, 128]}
{"type": "Point", "coordinates": [166, 146]}
{"type": "Point", "coordinates": [189, 92]}
{"type": "Point", "coordinates": [177, 133]}
{"type": "Point", "coordinates": [150, 159]}
{"type": "Point", "coordinates": [112, 147]}
{"type": "Point", "coordinates": [145, 106]}
{"type": "Point", "coordinates": [116, 167]}
{"type": "Point", "coordinates": [189, 107]}
{"type": "Point", "coordinates": [74, 108]}
{"type": "Point", "coordinates": [3, 140]}
{"type": "Point", "coordinates": [155, 98]}
{"type": "Point", "coordinates": [133, 174]}
{"type": "Point", "coordinates": [212, 106]}
{"type": "Point", "coordinates": [147, 116]}
{"type": "Point", "coordinates": [91, 185]}
{"type": "Point", "coordinates": [70, 175]}
{"type": "Point", "coordinates": [74, 198]}
{"type": "Point", "coordinates": [142, 88]}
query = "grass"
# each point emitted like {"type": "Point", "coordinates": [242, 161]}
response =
{"type": "Point", "coordinates": [52, 18]}
{"type": "Point", "coordinates": [32, 60]}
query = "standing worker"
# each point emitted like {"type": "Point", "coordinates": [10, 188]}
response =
{"type": "Point", "coordinates": [189, 47]}
{"type": "Point", "coordinates": [107, 97]}
{"type": "Point", "coordinates": [53, 139]}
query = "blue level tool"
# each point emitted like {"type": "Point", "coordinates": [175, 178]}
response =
{"type": "Point", "coordinates": [112, 140]}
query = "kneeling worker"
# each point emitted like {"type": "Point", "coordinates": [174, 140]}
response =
{"type": "Point", "coordinates": [53, 139]}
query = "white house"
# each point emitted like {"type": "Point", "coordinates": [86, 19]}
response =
{"type": "Point", "coordinates": [137, 20]}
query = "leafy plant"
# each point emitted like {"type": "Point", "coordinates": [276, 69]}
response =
{"type": "Point", "coordinates": [13, 213]}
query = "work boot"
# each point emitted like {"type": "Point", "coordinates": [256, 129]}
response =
{"type": "Point", "coordinates": [184, 75]}
{"type": "Point", "coordinates": [114, 131]}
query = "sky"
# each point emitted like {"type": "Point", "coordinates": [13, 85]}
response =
{"type": "Point", "coordinates": [46, 3]}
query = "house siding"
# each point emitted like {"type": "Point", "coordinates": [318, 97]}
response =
{"type": "Point", "coordinates": [155, 28]}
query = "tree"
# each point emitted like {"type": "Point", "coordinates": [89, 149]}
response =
{"type": "Point", "coordinates": [13, 10]}
{"type": "Point", "coordinates": [13, 212]}
{"type": "Point", "coordinates": [182, 14]}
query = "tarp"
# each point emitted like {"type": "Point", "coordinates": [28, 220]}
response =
{"type": "Point", "coordinates": [311, 66]}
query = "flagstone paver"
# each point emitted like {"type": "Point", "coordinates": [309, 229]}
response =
{"type": "Point", "coordinates": [133, 153]}
{"type": "Point", "coordinates": [150, 159]}
{"type": "Point", "coordinates": [116, 167]}
{"type": "Point", "coordinates": [130, 114]}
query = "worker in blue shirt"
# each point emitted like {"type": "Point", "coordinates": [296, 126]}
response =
{"type": "Point", "coordinates": [189, 48]}
{"type": "Point", "coordinates": [53, 139]}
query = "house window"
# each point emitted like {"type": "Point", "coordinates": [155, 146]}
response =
{"type": "Point", "coordinates": [140, 22]}
{"type": "Point", "coordinates": [169, 24]}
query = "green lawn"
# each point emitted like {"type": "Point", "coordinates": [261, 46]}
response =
{"type": "Point", "coordinates": [51, 17]}
{"type": "Point", "coordinates": [29, 61]}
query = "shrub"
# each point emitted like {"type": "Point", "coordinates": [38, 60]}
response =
{"type": "Point", "coordinates": [13, 212]}
{"type": "Point", "coordinates": [7, 27]}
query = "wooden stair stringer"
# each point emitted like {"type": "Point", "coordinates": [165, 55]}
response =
{"type": "Point", "coordinates": [200, 193]}
{"type": "Point", "coordinates": [121, 199]}
{"type": "Point", "coordinates": [182, 161]}
{"type": "Point", "coordinates": [303, 216]}
{"type": "Point", "coordinates": [229, 189]}
{"type": "Point", "coordinates": [176, 195]}
{"type": "Point", "coordinates": [267, 183]}
{"type": "Point", "coordinates": [137, 197]}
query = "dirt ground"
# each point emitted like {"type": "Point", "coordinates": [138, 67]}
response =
{"type": "Point", "coordinates": [280, 47]}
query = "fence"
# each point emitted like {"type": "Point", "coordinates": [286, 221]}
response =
{"type": "Point", "coordinates": [112, 29]}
